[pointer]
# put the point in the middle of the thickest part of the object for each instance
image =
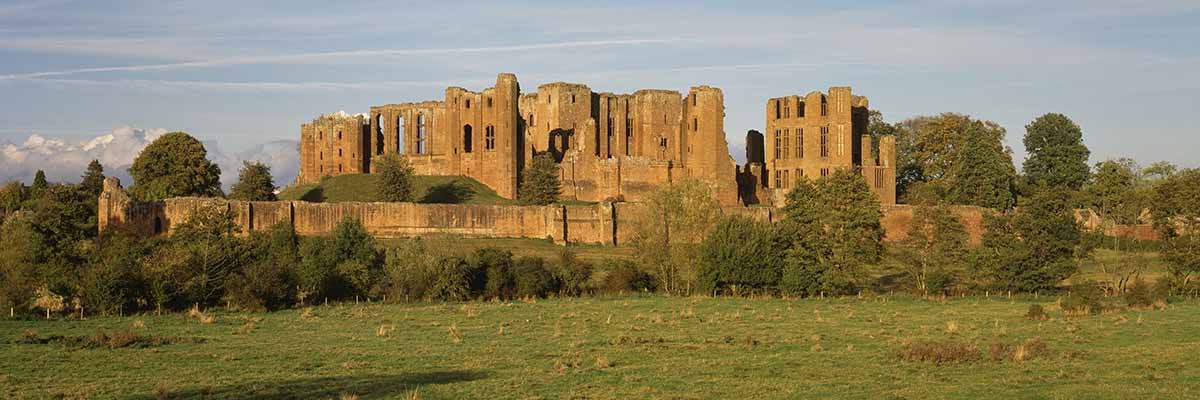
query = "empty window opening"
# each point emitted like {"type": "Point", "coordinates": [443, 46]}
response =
{"type": "Point", "coordinates": [468, 102]}
{"type": "Point", "coordinates": [800, 143]}
{"type": "Point", "coordinates": [572, 99]}
{"type": "Point", "coordinates": [824, 141]}
{"type": "Point", "coordinates": [786, 143]}
{"type": "Point", "coordinates": [824, 172]}
{"type": "Point", "coordinates": [421, 134]}
{"type": "Point", "coordinates": [777, 111]}
{"type": "Point", "coordinates": [787, 111]}
{"type": "Point", "coordinates": [489, 102]}
{"type": "Point", "coordinates": [158, 228]}
{"type": "Point", "coordinates": [695, 124]}
{"type": "Point", "coordinates": [339, 135]}
{"type": "Point", "coordinates": [778, 178]}
{"type": "Point", "coordinates": [489, 138]}
{"type": "Point", "coordinates": [467, 138]}
{"type": "Point", "coordinates": [824, 107]}
{"type": "Point", "coordinates": [778, 145]}
{"type": "Point", "coordinates": [400, 134]}
{"type": "Point", "coordinates": [379, 134]}
{"type": "Point", "coordinates": [800, 109]}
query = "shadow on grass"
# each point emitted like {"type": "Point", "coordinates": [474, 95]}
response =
{"type": "Point", "coordinates": [315, 195]}
{"type": "Point", "coordinates": [452, 192]}
{"type": "Point", "coordinates": [365, 387]}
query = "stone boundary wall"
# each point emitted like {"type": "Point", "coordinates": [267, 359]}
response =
{"type": "Point", "coordinates": [601, 223]}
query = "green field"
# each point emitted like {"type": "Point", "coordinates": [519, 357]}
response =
{"type": "Point", "coordinates": [428, 189]}
{"type": "Point", "coordinates": [614, 348]}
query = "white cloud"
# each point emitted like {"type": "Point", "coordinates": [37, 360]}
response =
{"type": "Point", "coordinates": [65, 161]}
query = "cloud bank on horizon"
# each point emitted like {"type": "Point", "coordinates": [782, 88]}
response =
{"type": "Point", "coordinates": [65, 161]}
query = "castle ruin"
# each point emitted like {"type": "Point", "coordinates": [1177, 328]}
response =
{"type": "Point", "coordinates": [609, 147]}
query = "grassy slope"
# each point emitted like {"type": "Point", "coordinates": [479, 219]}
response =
{"type": "Point", "coordinates": [657, 347]}
{"type": "Point", "coordinates": [429, 189]}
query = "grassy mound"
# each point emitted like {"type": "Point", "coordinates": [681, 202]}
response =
{"type": "Point", "coordinates": [429, 189]}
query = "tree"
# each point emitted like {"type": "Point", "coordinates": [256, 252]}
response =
{"type": "Point", "coordinates": [832, 230]}
{"type": "Point", "coordinates": [1057, 156]}
{"type": "Point", "coordinates": [982, 174]}
{"type": "Point", "coordinates": [1033, 248]}
{"type": "Point", "coordinates": [12, 195]}
{"type": "Point", "coordinates": [739, 253]}
{"type": "Point", "coordinates": [395, 178]}
{"type": "Point", "coordinates": [1176, 215]}
{"type": "Point", "coordinates": [211, 253]}
{"type": "Point", "coordinates": [1113, 193]}
{"type": "Point", "coordinates": [936, 247]}
{"type": "Point", "coordinates": [254, 183]}
{"type": "Point", "coordinates": [929, 148]}
{"type": "Point", "coordinates": [268, 280]}
{"type": "Point", "coordinates": [92, 181]}
{"type": "Point", "coordinates": [39, 182]}
{"type": "Point", "coordinates": [174, 165]}
{"type": "Point", "coordinates": [668, 227]}
{"type": "Point", "coordinates": [540, 184]}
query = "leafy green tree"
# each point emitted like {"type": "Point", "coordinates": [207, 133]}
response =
{"type": "Point", "coordinates": [12, 195]}
{"type": "Point", "coordinates": [1159, 170]}
{"type": "Point", "coordinates": [39, 182]}
{"type": "Point", "coordinates": [936, 247]}
{"type": "Point", "coordinates": [342, 265]}
{"type": "Point", "coordinates": [1113, 191]}
{"type": "Point", "coordinates": [254, 183]}
{"type": "Point", "coordinates": [540, 185]}
{"type": "Point", "coordinates": [740, 253]}
{"type": "Point", "coordinates": [574, 275]}
{"type": "Point", "coordinates": [20, 263]}
{"type": "Point", "coordinates": [668, 227]}
{"type": "Point", "coordinates": [110, 283]}
{"type": "Point", "coordinates": [1057, 155]}
{"type": "Point", "coordinates": [929, 148]}
{"type": "Point", "coordinates": [395, 178]}
{"type": "Point", "coordinates": [212, 253]}
{"type": "Point", "coordinates": [174, 165]}
{"type": "Point", "coordinates": [92, 181]}
{"type": "Point", "coordinates": [268, 279]}
{"type": "Point", "coordinates": [1176, 213]}
{"type": "Point", "coordinates": [834, 232]}
{"type": "Point", "coordinates": [983, 173]}
{"type": "Point", "coordinates": [1033, 248]}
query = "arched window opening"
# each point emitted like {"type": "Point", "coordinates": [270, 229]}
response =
{"type": "Point", "coordinates": [824, 107]}
{"type": "Point", "coordinates": [531, 123]}
{"type": "Point", "coordinates": [468, 103]}
{"type": "Point", "coordinates": [777, 111]}
{"type": "Point", "coordinates": [321, 155]}
{"type": "Point", "coordinates": [339, 135]}
{"type": "Point", "coordinates": [489, 102]}
{"type": "Point", "coordinates": [321, 135]}
{"type": "Point", "coordinates": [420, 133]}
{"type": "Point", "coordinates": [489, 138]}
{"type": "Point", "coordinates": [467, 138]}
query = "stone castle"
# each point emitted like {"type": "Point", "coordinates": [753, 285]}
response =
{"type": "Point", "coordinates": [609, 147]}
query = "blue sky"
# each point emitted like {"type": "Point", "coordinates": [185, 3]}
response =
{"type": "Point", "coordinates": [241, 75]}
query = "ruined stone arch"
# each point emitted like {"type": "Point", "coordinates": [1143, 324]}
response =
{"type": "Point", "coordinates": [379, 134]}
{"type": "Point", "coordinates": [466, 143]}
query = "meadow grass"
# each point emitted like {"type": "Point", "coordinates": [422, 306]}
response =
{"type": "Point", "coordinates": [622, 347]}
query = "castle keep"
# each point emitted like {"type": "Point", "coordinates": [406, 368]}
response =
{"type": "Point", "coordinates": [609, 147]}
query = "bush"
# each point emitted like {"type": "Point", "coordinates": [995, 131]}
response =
{"type": "Point", "coordinates": [1141, 294]}
{"type": "Point", "coordinates": [941, 352]}
{"type": "Point", "coordinates": [626, 277]}
{"type": "Point", "coordinates": [497, 271]}
{"type": "Point", "coordinates": [740, 253]}
{"type": "Point", "coordinates": [533, 278]}
{"type": "Point", "coordinates": [317, 272]}
{"type": "Point", "coordinates": [110, 283]}
{"type": "Point", "coordinates": [1036, 312]}
{"type": "Point", "coordinates": [1086, 298]}
{"type": "Point", "coordinates": [268, 281]}
{"type": "Point", "coordinates": [451, 281]}
{"type": "Point", "coordinates": [573, 274]}
{"type": "Point", "coordinates": [410, 270]}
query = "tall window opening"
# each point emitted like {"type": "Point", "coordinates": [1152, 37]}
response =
{"type": "Point", "coordinates": [800, 143]}
{"type": "Point", "coordinates": [379, 134]}
{"type": "Point", "coordinates": [628, 135]}
{"type": "Point", "coordinates": [824, 141]}
{"type": "Point", "coordinates": [786, 144]}
{"type": "Point", "coordinates": [489, 138]}
{"type": "Point", "coordinates": [467, 138]}
{"type": "Point", "coordinates": [778, 145]}
{"type": "Point", "coordinates": [777, 113]}
{"type": "Point", "coordinates": [421, 134]}
{"type": "Point", "coordinates": [824, 107]}
{"type": "Point", "coordinates": [787, 110]}
{"type": "Point", "coordinates": [400, 134]}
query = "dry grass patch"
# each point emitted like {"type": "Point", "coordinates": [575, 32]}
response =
{"type": "Point", "coordinates": [101, 339]}
{"type": "Point", "coordinates": [940, 352]}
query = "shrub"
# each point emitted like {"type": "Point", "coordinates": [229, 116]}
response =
{"type": "Point", "coordinates": [497, 271]}
{"type": "Point", "coordinates": [451, 281]}
{"type": "Point", "coordinates": [1036, 313]}
{"type": "Point", "coordinates": [940, 352]}
{"type": "Point", "coordinates": [1141, 294]}
{"type": "Point", "coordinates": [268, 282]}
{"type": "Point", "coordinates": [540, 185]}
{"type": "Point", "coordinates": [1084, 299]}
{"type": "Point", "coordinates": [573, 274]}
{"type": "Point", "coordinates": [410, 270]}
{"type": "Point", "coordinates": [533, 278]}
{"type": "Point", "coordinates": [395, 178]}
{"type": "Point", "coordinates": [739, 253]}
{"type": "Point", "coordinates": [625, 276]}
{"type": "Point", "coordinates": [317, 272]}
{"type": "Point", "coordinates": [110, 284]}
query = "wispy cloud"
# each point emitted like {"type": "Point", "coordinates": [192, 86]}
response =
{"type": "Point", "coordinates": [301, 58]}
